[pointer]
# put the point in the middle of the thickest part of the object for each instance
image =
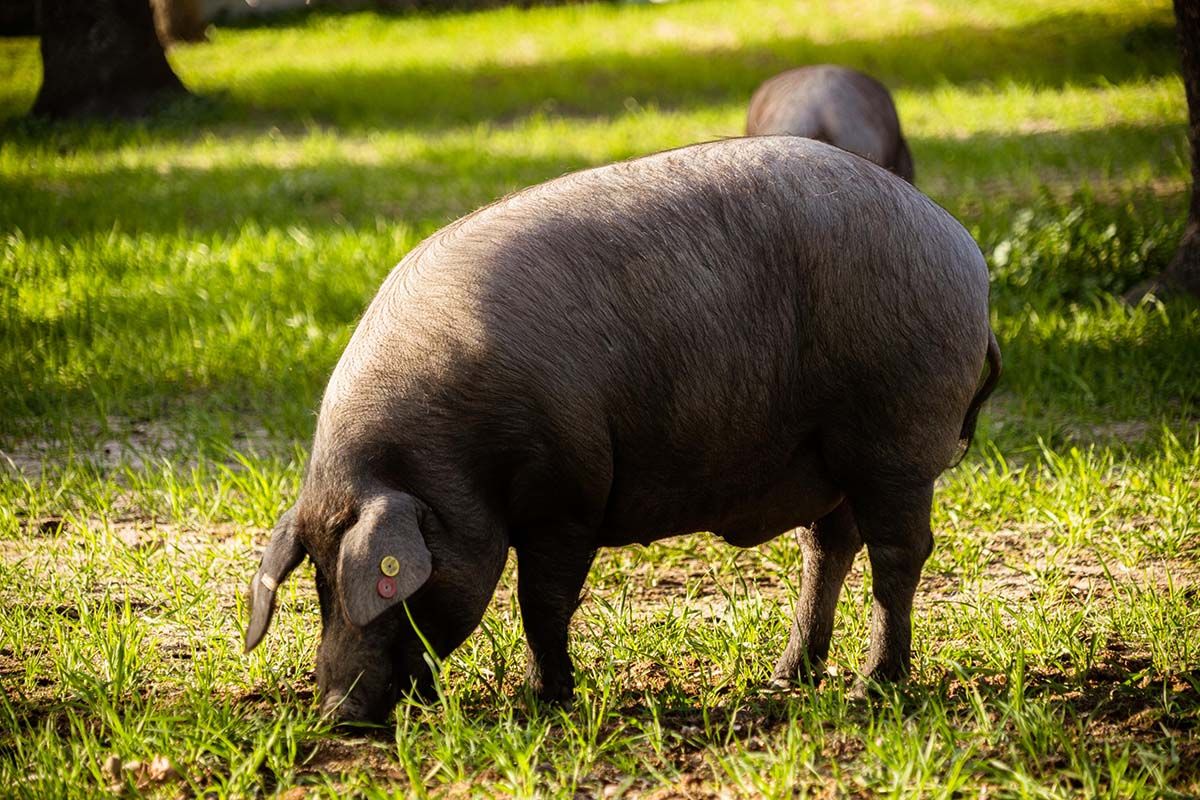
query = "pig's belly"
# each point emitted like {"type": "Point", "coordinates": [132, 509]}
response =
{"type": "Point", "coordinates": [789, 507]}
{"type": "Point", "coordinates": [743, 512]}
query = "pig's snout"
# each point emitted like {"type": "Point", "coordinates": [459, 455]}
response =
{"type": "Point", "coordinates": [356, 686]}
{"type": "Point", "coordinates": [348, 707]}
{"type": "Point", "coordinates": [339, 707]}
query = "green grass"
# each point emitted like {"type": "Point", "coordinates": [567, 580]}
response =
{"type": "Point", "coordinates": [174, 293]}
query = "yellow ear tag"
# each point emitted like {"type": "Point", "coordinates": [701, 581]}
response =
{"type": "Point", "coordinates": [389, 566]}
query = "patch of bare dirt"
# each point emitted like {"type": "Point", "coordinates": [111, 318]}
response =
{"type": "Point", "coordinates": [1021, 560]}
{"type": "Point", "coordinates": [119, 442]}
{"type": "Point", "coordinates": [353, 753]}
{"type": "Point", "coordinates": [27, 461]}
{"type": "Point", "coordinates": [62, 552]}
{"type": "Point", "coordinates": [1003, 411]}
{"type": "Point", "coordinates": [1018, 563]}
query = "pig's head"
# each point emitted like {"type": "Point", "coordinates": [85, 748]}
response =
{"type": "Point", "coordinates": [384, 554]}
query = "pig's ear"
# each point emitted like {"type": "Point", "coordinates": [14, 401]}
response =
{"type": "Point", "coordinates": [383, 559]}
{"type": "Point", "coordinates": [282, 555]}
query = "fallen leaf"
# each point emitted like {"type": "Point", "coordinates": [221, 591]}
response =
{"type": "Point", "coordinates": [161, 770]}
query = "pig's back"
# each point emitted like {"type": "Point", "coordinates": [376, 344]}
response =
{"type": "Point", "coordinates": [740, 259]}
{"type": "Point", "coordinates": [686, 319]}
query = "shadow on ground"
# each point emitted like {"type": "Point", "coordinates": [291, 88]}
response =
{"type": "Point", "coordinates": [441, 182]}
{"type": "Point", "coordinates": [1121, 701]}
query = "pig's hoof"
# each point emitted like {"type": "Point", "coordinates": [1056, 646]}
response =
{"type": "Point", "coordinates": [788, 678]}
{"type": "Point", "coordinates": [552, 692]}
{"type": "Point", "coordinates": [872, 687]}
{"type": "Point", "coordinates": [861, 691]}
{"type": "Point", "coordinates": [779, 685]}
{"type": "Point", "coordinates": [561, 695]}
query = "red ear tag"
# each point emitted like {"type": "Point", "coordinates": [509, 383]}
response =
{"type": "Point", "coordinates": [386, 587]}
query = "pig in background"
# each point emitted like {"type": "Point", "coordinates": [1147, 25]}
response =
{"type": "Point", "coordinates": [744, 337]}
{"type": "Point", "coordinates": [836, 105]}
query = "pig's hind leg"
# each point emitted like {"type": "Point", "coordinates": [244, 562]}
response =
{"type": "Point", "coordinates": [829, 548]}
{"type": "Point", "coordinates": [887, 462]}
{"type": "Point", "coordinates": [894, 524]}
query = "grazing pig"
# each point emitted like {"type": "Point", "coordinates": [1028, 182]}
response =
{"type": "Point", "coordinates": [833, 104]}
{"type": "Point", "coordinates": [742, 337]}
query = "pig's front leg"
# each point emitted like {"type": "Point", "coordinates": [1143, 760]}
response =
{"type": "Point", "coordinates": [551, 569]}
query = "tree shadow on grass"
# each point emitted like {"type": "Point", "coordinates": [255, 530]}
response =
{"type": "Point", "coordinates": [443, 181]}
{"type": "Point", "coordinates": [196, 202]}
{"type": "Point", "coordinates": [1068, 49]}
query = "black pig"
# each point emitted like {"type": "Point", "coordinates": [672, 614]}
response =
{"type": "Point", "coordinates": [743, 337]}
{"type": "Point", "coordinates": [833, 104]}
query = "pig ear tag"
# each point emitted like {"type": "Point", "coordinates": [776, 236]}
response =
{"type": "Point", "coordinates": [386, 586]}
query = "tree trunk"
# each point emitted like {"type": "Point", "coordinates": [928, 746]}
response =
{"type": "Point", "coordinates": [1183, 273]}
{"type": "Point", "coordinates": [102, 57]}
{"type": "Point", "coordinates": [178, 21]}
